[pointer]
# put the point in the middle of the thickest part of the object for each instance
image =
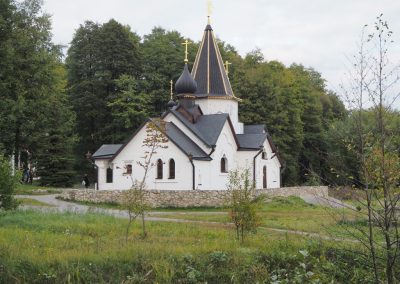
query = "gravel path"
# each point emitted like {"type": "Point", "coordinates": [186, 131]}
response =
{"type": "Point", "coordinates": [64, 206]}
{"type": "Point", "coordinates": [325, 201]}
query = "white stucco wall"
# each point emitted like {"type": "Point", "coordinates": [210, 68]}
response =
{"type": "Point", "coordinates": [208, 174]}
{"type": "Point", "coordinates": [133, 153]}
{"type": "Point", "coordinates": [273, 168]}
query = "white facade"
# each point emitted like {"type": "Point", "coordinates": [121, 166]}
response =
{"type": "Point", "coordinates": [207, 174]}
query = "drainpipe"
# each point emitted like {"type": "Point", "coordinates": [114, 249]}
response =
{"type": "Point", "coordinates": [193, 172]}
{"type": "Point", "coordinates": [254, 166]}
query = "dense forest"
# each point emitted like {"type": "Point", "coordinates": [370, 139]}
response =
{"type": "Point", "coordinates": [55, 108]}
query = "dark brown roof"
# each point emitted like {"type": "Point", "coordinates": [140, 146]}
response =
{"type": "Point", "coordinates": [208, 69]}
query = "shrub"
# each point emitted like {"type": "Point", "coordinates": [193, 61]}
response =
{"type": "Point", "coordinates": [8, 184]}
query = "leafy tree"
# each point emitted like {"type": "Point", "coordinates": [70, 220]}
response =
{"type": "Point", "coordinates": [242, 203]}
{"type": "Point", "coordinates": [98, 56]}
{"type": "Point", "coordinates": [135, 198]}
{"type": "Point", "coordinates": [8, 184]}
{"type": "Point", "coordinates": [29, 83]}
{"type": "Point", "coordinates": [269, 98]}
{"type": "Point", "coordinates": [129, 107]}
{"type": "Point", "coordinates": [55, 156]}
{"type": "Point", "coordinates": [374, 80]}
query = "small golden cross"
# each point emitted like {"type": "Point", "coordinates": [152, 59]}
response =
{"type": "Point", "coordinates": [226, 64]}
{"type": "Point", "coordinates": [171, 89]}
{"type": "Point", "coordinates": [186, 43]}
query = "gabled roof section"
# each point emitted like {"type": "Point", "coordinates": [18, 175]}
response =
{"type": "Point", "coordinates": [208, 69]}
{"type": "Point", "coordinates": [184, 143]}
{"type": "Point", "coordinates": [251, 141]}
{"type": "Point", "coordinates": [254, 129]}
{"type": "Point", "coordinates": [106, 151]}
{"type": "Point", "coordinates": [174, 134]}
{"type": "Point", "coordinates": [207, 127]}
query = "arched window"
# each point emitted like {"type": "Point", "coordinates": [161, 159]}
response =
{"type": "Point", "coordinates": [171, 169]}
{"type": "Point", "coordinates": [265, 177]}
{"type": "Point", "coordinates": [224, 165]}
{"type": "Point", "coordinates": [109, 177]}
{"type": "Point", "coordinates": [264, 155]}
{"type": "Point", "coordinates": [159, 169]}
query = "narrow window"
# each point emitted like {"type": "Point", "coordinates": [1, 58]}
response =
{"type": "Point", "coordinates": [264, 155]}
{"type": "Point", "coordinates": [109, 178]}
{"type": "Point", "coordinates": [265, 177]}
{"type": "Point", "coordinates": [224, 165]}
{"type": "Point", "coordinates": [171, 169]}
{"type": "Point", "coordinates": [159, 169]}
{"type": "Point", "coordinates": [128, 169]}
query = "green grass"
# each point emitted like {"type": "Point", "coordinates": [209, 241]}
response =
{"type": "Point", "coordinates": [33, 202]}
{"type": "Point", "coordinates": [59, 248]}
{"type": "Point", "coordinates": [34, 189]}
{"type": "Point", "coordinates": [290, 213]}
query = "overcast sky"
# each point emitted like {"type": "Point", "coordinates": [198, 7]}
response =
{"type": "Point", "coordinates": [315, 33]}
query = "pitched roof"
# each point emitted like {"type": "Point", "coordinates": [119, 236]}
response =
{"type": "Point", "coordinates": [207, 127]}
{"type": "Point", "coordinates": [208, 69]}
{"type": "Point", "coordinates": [254, 129]}
{"type": "Point", "coordinates": [174, 134]}
{"type": "Point", "coordinates": [106, 151]}
{"type": "Point", "coordinates": [251, 141]}
{"type": "Point", "coordinates": [184, 143]}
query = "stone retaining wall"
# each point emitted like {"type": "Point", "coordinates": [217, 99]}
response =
{"type": "Point", "coordinates": [185, 198]}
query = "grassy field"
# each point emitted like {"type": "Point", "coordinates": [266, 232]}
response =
{"type": "Point", "coordinates": [34, 189]}
{"type": "Point", "coordinates": [290, 213]}
{"type": "Point", "coordinates": [71, 248]}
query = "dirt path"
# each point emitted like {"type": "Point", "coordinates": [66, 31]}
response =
{"type": "Point", "coordinates": [64, 206]}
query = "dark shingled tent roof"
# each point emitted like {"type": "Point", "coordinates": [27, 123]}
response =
{"type": "Point", "coordinates": [208, 69]}
{"type": "Point", "coordinates": [106, 151]}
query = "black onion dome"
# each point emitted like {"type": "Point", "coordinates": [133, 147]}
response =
{"type": "Point", "coordinates": [171, 104]}
{"type": "Point", "coordinates": [185, 84]}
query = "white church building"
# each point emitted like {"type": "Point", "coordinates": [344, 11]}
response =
{"type": "Point", "coordinates": [205, 142]}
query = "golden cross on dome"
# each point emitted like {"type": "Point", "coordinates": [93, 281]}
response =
{"type": "Point", "coordinates": [186, 43]}
{"type": "Point", "coordinates": [171, 89]}
{"type": "Point", "coordinates": [209, 10]}
{"type": "Point", "coordinates": [226, 64]}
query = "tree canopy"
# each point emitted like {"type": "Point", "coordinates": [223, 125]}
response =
{"type": "Point", "coordinates": [112, 79]}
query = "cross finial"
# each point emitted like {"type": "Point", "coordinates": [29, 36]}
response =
{"type": "Point", "coordinates": [171, 93]}
{"type": "Point", "coordinates": [226, 64]}
{"type": "Point", "coordinates": [209, 10]}
{"type": "Point", "coordinates": [186, 43]}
